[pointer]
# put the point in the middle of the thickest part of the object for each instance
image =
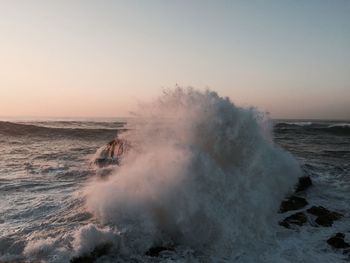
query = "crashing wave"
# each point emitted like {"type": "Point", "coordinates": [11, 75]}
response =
{"type": "Point", "coordinates": [202, 174]}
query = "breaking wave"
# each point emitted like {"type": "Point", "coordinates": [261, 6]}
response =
{"type": "Point", "coordinates": [337, 129]}
{"type": "Point", "coordinates": [27, 129]}
{"type": "Point", "coordinates": [315, 127]}
{"type": "Point", "coordinates": [298, 123]}
{"type": "Point", "coordinates": [201, 173]}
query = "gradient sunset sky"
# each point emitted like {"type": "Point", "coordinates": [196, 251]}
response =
{"type": "Point", "coordinates": [69, 58]}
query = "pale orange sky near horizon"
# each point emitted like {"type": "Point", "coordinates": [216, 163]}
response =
{"type": "Point", "coordinates": [94, 59]}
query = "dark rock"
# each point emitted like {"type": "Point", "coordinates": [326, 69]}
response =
{"type": "Point", "coordinates": [327, 220]}
{"type": "Point", "coordinates": [112, 153]}
{"type": "Point", "coordinates": [292, 203]}
{"type": "Point", "coordinates": [83, 259]}
{"type": "Point", "coordinates": [317, 210]}
{"type": "Point", "coordinates": [338, 242]}
{"type": "Point", "coordinates": [346, 251]}
{"type": "Point", "coordinates": [304, 183]}
{"type": "Point", "coordinates": [155, 251]}
{"type": "Point", "coordinates": [296, 219]}
{"type": "Point", "coordinates": [324, 216]}
{"type": "Point", "coordinates": [99, 251]}
{"type": "Point", "coordinates": [284, 224]}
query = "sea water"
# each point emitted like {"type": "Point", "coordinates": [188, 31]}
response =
{"type": "Point", "coordinates": [204, 178]}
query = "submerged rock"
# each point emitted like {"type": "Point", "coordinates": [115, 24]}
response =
{"type": "Point", "coordinates": [98, 252]}
{"type": "Point", "coordinates": [155, 251]}
{"type": "Point", "coordinates": [292, 203]}
{"type": "Point", "coordinates": [324, 216]}
{"type": "Point", "coordinates": [338, 241]}
{"type": "Point", "coordinates": [304, 183]}
{"type": "Point", "coordinates": [295, 219]}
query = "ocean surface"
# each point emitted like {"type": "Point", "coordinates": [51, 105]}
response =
{"type": "Point", "coordinates": [46, 167]}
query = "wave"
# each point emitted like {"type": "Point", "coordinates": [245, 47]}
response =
{"type": "Point", "coordinates": [77, 124]}
{"type": "Point", "coordinates": [328, 127]}
{"type": "Point", "coordinates": [339, 129]}
{"type": "Point", "coordinates": [345, 125]}
{"type": "Point", "coordinates": [20, 129]}
{"type": "Point", "coordinates": [200, 173]}
{"type": "Point", "coordinates": [299, 123]}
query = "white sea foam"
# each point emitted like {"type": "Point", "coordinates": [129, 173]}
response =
{"type": "Point", "coordinates": [46, 250]}
{"type": "Point", "coordinates": [342, 125]}
{"type": "Point", "coordinates": [202, 173]}
{"type": "Point", "coordinates": [41, 248]}
{"type": "Point", "coordinates": [90, 236]}
{"type": "Point", "coordinates": [300, 123]}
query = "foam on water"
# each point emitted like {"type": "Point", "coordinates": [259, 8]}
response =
{"type": "Point", "coordinates": [202, 173]}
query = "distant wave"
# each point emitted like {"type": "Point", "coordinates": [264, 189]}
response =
{"type": "Point", "coordinates": [337, 129]}
{"type": "Point", "coordinates": [20, 129]}
{"type": "Point", "coordinates": [343, 125]}
{"type": "Point", "coordinates": [299, 123]}
{"type": "Point", "coordinates": [77, 124]}
{"type": "Point", "coordinates": [330, 127]}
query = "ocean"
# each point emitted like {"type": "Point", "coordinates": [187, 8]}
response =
{"type": "Point", "coordinates": [57, 205]}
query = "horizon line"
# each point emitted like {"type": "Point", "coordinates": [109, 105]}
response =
{"type": "Point", "coordinates": [77, 118]}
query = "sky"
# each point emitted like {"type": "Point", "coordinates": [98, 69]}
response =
{"type": "Point", "coordinates": [88, 58]}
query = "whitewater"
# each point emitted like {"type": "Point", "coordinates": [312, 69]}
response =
{"type": "Point", "coordinates": [201, 180]}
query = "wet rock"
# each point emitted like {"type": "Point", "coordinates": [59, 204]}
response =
{"type": "Point", "coordinates": [292, 203]}
{"type": "Point", "coordinates": [347, 251]}
{"type": "Point", "coordinates": [338, 241]}
{"type": "Point", "coordinates": [324, 216]}
{"type": "Point", "coordinates": [295, 219]}
{"type": "Point", "coordinates": [317, 210]}
{"type": "Point", "coordinates": [155, 251]}
{"type": "Point", "coordinates": [327, 220]}
{"type": "Point", "coordinates": [304, 183]}
{"type": "Point", "coordinates": [98, 252]}
{"type": "Point", "coordinates": [112, 153]}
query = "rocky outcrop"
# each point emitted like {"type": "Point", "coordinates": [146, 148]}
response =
{"type": "Point", "coordinates": [337, 241]}
{"type": "Point", "coordinates": [317, 210]}
{"type": "Point", "coordinates": [292, 203]}
{"type": "Point", "coordinates": [155, 251]}
{"type": "Point", "coordinates": [112, 153]}
{"type": "Point", "coordinates": [320, 215]}
{"type": "Point", "coordinates": [98, 252]}
{"type": "Point", "coordinates": [295, 219]}
{"type": "Point", "coordinates": [324, 216]}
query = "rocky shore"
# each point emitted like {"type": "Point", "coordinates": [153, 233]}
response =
{"type": "Point", "coordinates": [317, 216]}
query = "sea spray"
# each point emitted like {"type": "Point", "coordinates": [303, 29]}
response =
{"type": "Point", "coordinates": [201, 173]}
